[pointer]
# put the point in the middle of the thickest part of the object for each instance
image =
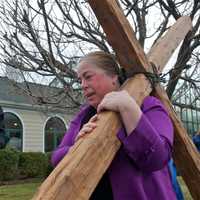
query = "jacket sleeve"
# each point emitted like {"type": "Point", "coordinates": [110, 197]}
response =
{"type": "Point", "coordinates": [149, 145]}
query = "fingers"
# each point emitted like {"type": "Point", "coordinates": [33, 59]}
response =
{"type": "Point", "coordinates": [103, 106]}
{"type": "Point", "coordinates": [94, 118]}
{"type": "Point", "coordinates": [114, 101]}
{"type": "Point", "coordinates": [100, 107]}
{"type": "Point", "coordinates": [105, 103]}
{"type": "Point", "coordinates": [87, 128]}
{"type": "Point", "coordinates": [109, 102]}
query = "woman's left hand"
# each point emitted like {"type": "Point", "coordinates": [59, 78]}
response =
{"type": "Point", "coordinates": [88, 127]}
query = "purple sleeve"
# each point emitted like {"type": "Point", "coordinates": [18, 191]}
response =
{"type": "Point", "coordinates": [150, 143]}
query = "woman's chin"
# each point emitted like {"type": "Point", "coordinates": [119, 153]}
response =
{"type": "Point", "coordinates": [93, 103]}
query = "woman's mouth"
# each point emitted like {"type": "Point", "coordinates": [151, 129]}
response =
{"type": "Point", "coordinates": [90, 95]}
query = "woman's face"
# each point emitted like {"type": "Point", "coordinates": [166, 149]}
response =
{"type": "Point", "coordinates": [95, 82]}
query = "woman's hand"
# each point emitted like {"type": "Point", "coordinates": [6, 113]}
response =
{"type": "Point", "coordinates": [126, 105]}
{"type": "Point", "coordinates": [88, 127]}
{"type": "Point", "coordinates": [116, 101]}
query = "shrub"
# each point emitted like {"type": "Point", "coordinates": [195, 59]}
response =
{"type": "Point", "coordinates": [8, 164]}
{"type": "Point", "coordinates": [49, 166]}
{"type": "Point", "coordinates": [33, 164]}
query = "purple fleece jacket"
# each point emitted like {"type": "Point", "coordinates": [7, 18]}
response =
{"type": "Point", "coordinates": [139, 170]}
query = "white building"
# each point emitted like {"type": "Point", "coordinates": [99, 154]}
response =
{"type": "Point", "coordinates": [31, 127]}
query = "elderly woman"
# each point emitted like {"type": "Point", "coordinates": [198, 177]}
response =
{"type": "Point", "coordinates": [139, 170]}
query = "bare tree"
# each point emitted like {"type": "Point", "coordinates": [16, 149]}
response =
{"type": "Point", "coordinates": [47, 38]}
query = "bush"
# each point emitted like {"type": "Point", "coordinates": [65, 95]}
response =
{"type": "Point", "coordinates": [19, 165]}
{"type": "Point", "coordinates": [49, 166]}
{"type": "Point", "coordinates": [33, 164]}
{"type": "Point", "coordinates": [8, 164]}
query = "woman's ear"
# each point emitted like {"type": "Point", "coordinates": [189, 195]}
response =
{"type": "Point", "coordinates": [115, 80]}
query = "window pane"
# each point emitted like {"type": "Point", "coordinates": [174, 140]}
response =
{"type": "Point", "coordinates": [13, 130]}
{"type": "Point", "coordinates": [54, 131]}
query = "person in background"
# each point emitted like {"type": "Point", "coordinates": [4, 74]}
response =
{"type": "Point", "coordinates": [173, 171]}
{"type": "Point", "coordinates": [175, 183]}
{"type": "Point", "coordinates": [2, 131]}
{"type": "Point", "coordinates": [196, 140]}
{"type": "Point", "coordinates": [139, 170]}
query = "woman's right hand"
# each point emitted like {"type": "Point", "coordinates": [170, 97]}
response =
{"type": "Point", "coordinates": [88, 127]}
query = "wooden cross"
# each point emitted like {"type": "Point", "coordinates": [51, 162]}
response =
{"type": "Point", "coordinates": [77, 175]}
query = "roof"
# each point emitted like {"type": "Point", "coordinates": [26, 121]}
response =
{"type": "Point", "coordinates": [15, 93]}
{"type": "Point", "coordinates": [10, 93]}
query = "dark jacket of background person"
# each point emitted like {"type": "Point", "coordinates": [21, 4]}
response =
{"type": "Point", "coordinates": [196, 140]}
{"type": "Point", "coordinates": [2, 131]}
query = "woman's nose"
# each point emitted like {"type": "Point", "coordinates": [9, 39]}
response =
{"type": "Point", "coordinates": [84, 84]}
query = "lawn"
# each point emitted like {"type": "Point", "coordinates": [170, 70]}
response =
{"type": "Point", "coordinates": [25, 191]}
{"type": "Point", "coordinates": [22, 191]}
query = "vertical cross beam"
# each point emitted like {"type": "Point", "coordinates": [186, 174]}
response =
{"type": "Point", "coordinates": [186, 156]}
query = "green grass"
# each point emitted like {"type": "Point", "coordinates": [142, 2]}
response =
{"type": "Point", "coordinates": [26, 191]}
{"type": "Point", "coordinates": [23, 191]}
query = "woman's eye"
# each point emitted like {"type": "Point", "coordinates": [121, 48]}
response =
{"type": "Point", "coordinates": [88, 77]}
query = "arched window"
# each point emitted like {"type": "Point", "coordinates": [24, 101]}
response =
{"type": "Point", "coordinates": [13, 130]}
{"type": "Point", "coordinates": [54, 131]}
